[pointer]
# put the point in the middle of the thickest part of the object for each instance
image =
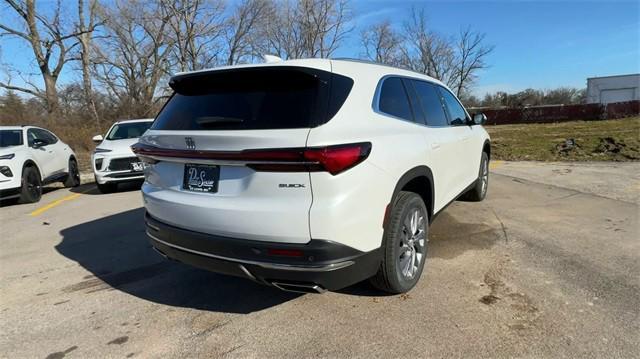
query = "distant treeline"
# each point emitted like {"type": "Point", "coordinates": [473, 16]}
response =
{"type": "Point", "coordinates": [528, 97]}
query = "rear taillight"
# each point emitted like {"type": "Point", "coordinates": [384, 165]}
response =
{"type": "Point", "coordinates": [333, 159]}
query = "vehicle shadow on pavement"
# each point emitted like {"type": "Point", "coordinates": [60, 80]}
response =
{"type": "Point", "coordinates": [14, 201]}
{"type": "Point", "coordinates": [116, 251]}
{"type": "Point", "coordinates": [92, 189]}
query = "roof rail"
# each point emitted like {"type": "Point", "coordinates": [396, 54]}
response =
{"type": "Point", "coordinates": [364, 61]}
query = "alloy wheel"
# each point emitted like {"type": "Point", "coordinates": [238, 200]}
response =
{"type": "Point", "coordinates": [74, 172]}
{"type": "Point", "coordinates": [412, 244]}
{"type": "Point", "coordinates": [33, 184]}
{"type": "Point", "coordinates": [485, 176]}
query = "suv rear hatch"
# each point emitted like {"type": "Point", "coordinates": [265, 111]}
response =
{"type": "Point", "coordinates": [227, 150]}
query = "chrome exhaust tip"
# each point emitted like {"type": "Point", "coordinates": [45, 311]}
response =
{"type": "Point", "coordinates": [161, 253]}
{"type": "Point", "coordinates": [299, 287]}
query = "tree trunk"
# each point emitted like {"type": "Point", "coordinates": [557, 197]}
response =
{"type": "Point", "coordinates": [51, 95]}
{"type": "Point", "coordinates": [85, 47]}
{"type": "Point", "coordinates": [86, 77]}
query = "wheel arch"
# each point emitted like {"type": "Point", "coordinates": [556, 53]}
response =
{"type": "Point", "coordinates": [31, 163]}
{"type": "Point", "coordinates": [486, 147]}
{"type": "Point", "coordinates": [418, 180]}
{"type": "Point", "coordinates": [71, 157]}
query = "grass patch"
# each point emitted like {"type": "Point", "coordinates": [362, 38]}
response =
{"type": "Point", "coordinates": [609, 140]}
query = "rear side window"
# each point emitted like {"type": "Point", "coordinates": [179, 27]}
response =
{"type": "Point", "coordinates": [253, 99]}
{"type": "Point", "coordinates": [393, 99]}
{"type": "Point", "coordinates": [457, 115]}
{"type": "Point", "coordinates": [431, 103]}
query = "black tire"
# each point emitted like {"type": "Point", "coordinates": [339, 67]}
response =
{"type": "Point", "coordinates": [398, 246]}
{"type": "Point", "coordinates": [107, 187]}
{"type": "Point", "coordinates": [31, 190]}
{"type": "Point", "coordinates": [479, 190]}
{"type": "Point", "coordinates": [73, 178]}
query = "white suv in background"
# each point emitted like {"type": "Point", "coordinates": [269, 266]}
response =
{"type": "Point", "coordinates": [308, 175]}
{"type": "Point", "coordinates": [112, 160]}
{"type": "Point", "coordinates": [31, 157]}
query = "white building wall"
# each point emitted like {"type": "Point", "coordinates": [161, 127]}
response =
{"type": "Point", "coordinates": [613, 89]}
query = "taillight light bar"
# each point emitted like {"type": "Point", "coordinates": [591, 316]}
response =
{"type": "Point", "coordinates": [333, 159]}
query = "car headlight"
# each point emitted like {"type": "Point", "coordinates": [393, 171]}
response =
{"type": "Point", "coordinates": [7, 157]}
{"type": "Point", "coordinates": [101, 150]}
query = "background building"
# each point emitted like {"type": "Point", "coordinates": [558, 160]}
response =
{"type": "Point", "coordinates": [608, 89]}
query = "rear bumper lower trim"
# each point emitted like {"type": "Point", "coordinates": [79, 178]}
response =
{"type": "Point", "coordinates": [322, 263]}
{"type": "Point", "coordinates": [277, 266]}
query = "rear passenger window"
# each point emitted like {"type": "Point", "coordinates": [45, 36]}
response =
{"type": "Point", "coordinates": [457, 115]}
{"type": "Point", "coordinates": [430, 99]}
{"type": "Point", "coordinates": [393, 99]}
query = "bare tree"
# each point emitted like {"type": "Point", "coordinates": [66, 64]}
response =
{"type": "Point", "coordinates": [426, 50]}
{"type": "Point", "coordinates": [471, 56]}
{"type": "Point", "coordinates": [283, 36]}
{"type": "Point", "coordinates": [243, 27]}
{"type": "Point", "coordinates": [308, 28]}
{"type": "Point", "coordinates": [196, 30]}
{"type": "Point", "coordinates": [454, 62]}
{"type": "Point", "coordinates": [382, 43]}
{"type": "Point", "coordinates": [51, 44]}
{"type": "Point", "coordinates": [134, 57]}
{"type": "Point", "coordinates": [325, 25]}
{"type": "Point", "coordinates": [85, 29]}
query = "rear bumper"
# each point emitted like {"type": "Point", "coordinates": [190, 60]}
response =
{"type": "Point", "coordinates": [321, 263]}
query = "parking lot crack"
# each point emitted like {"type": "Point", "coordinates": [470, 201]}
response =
{"type": "Point", "coordinates": [212, 328]}
{"type": "Point", "coordinates": [504, 229]}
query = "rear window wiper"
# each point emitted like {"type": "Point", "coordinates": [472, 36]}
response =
{"type": "Point", "coordinates": [217, 120]}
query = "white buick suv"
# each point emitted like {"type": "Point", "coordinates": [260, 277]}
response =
{"type": "Point", "coordinates": [31, 157]}
{"type": "Point", "coordinates": [112, 160]}
{"type": "Point", "coordinates": [308, 175]}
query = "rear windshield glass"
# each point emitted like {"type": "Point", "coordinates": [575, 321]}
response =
{"type": "Point", "coordinates": [10, 138]}
{"type": "Point", "coordinates": [253, 99]}
{"type": "Point", "coordinates": [123, 131]}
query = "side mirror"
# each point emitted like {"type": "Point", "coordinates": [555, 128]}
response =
{"type": "Point", "coordinates": [37, 143]}
{"type": "Point", "coordinates": [479, 119]}
{"type": "Point", "coordinates": [97, 138]}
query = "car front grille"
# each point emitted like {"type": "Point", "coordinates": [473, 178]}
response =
{"type": "Point", "coordinates": [122, 164]}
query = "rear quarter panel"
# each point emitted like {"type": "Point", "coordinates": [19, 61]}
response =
{"type": "Point", "coordinates": [349, 208]}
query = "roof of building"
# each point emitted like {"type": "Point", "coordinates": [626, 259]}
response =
{"type": "Point", "coordinates": [604, 77]}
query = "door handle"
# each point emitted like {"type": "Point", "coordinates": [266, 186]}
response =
{"type": "Point", "coordinates": [435, 146]}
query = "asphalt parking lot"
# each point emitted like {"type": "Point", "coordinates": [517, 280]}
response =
{"type": "Point", "coordinates": [547, 266]}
